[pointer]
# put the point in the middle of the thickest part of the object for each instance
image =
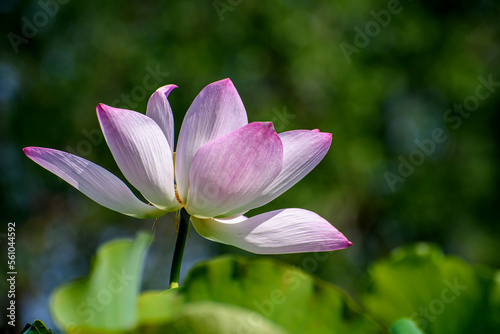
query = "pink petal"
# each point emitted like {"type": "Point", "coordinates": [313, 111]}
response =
{"type": "Point", "coordinates": [160, 111]}
{"type": "Point", "coordinates": [302, 151]}
{"type": "Point", "coordinates": [92, 180]}
{"type": "Point", "coordinates": [233, 170]}
{"type": "Point", "coordinates": [275, 232]}
{"type": "Point", "coordinates": [215, 112]}
{"type": "Point", "coordinates": [142, 152]}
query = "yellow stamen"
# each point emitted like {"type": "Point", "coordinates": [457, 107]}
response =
{"type": "Point", "coordinates": [175, 185]}
{"type": "Point", "coordinates": [175, 223]}
{"type": "Point", "coordinates": [177, 196]}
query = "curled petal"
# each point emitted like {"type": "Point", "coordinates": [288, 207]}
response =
{"type": "Point", "coordinates": [302, 151]}
{"type": "Point", "coordinates": [160, 111]}
{"type": "Point", "coordinates": [233, 170]}
{"type": "Point", "coordinates": [215, 112]}
{"type": "Point", "coordinates": [142, 152]}
{"type": "Point", "coordinates": [275, 232]}
{"type": "Point", "coordinates": [94, 181]}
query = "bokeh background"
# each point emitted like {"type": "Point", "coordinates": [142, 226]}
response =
{"type": "Point", "coordinates": [301, 64]}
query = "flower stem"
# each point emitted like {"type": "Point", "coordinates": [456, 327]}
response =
{"type": "Point", "coordinates": [179, 249]}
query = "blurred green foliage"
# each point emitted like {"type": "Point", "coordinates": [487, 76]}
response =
{"type": "Point", "coordinates": [284, 295]}
{"type": "Point", "coordinates": [405, 326]}
{"type": "Point", "coordinates": [224, 295]}
{"type": "Point", "coordinates": [416, 290]}
{"type": "Point", "coordinates": [107, 298]}
{"type": "Point", "coordinates": [442, 294]}
{"type": "Point", "coordinates": [286, 60]}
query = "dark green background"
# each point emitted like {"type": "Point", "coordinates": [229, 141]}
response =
{"type": "Point", "coordinates": [286, 60]}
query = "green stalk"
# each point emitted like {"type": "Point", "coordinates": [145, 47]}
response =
{"type": "Point", "coordinates": [175, 272]}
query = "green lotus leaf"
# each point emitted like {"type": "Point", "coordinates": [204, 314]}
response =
{"type": "Point", "coordinates": [283, 294]}
{"type": "Point", "coordinates": [106, 300]}
{"type": "Point", "coordinates": [405, 326]}
{"type": "Point", "coordinates": [223, 295]}
{"type": "Point", "coordinates": [215, 318]}
{"type": "Point", "coordinates": [442, 294]}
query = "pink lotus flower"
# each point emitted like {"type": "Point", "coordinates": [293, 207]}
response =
{"type": "Point", "coordinates": [223, 168]}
